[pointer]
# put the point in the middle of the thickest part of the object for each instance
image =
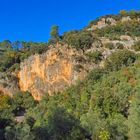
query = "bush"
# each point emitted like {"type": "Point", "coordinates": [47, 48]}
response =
{"type": "Point", "coordinates": [79, 39]}
{"type": "Point", "coordinates": [119, 59]}
{"type": "Point", "coordinates": [109, 45]}
{"type": "Point", "coordinates": [136, 46]}
{"type": "Point", "coordinates": [22, 101]}
{"type": "Point", "coordinates": [14, 67]}
{"type": "Point", "coordinates": [95, 56]}
{"type": "Point", "coordinates": [119, 46]}
{"type": "Point", "coordinates": [63, 125]}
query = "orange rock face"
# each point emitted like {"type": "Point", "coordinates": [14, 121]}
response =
{"type": "Point", "coordinates": [47, 73]}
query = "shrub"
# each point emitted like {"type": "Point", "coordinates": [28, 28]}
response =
{"type": "Point", "coordinates": [109, 45]}
{"type": "Point", "coordinates": [79, 39]}
{"type": "Point", "coordinates": [22, 101]}
{"type": "Point", "coordinates": [119, 59]}
{"type": "Point", "coordinates": [119, 46]}
{"type": "Point", "coordinates": [14, 67]}
{"type": "Point", "coordinates": [95, 56]}
{"type": "Point", "coordinates": [136, 46]}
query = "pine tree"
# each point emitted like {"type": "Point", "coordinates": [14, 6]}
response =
{"type": "Point", "coordinates": [54, 34]}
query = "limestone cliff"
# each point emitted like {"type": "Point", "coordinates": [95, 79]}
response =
{"type": "Point", "coordinates": [50, 72]}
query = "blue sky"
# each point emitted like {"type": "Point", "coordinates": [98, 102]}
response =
{"type": "Point", "coordinates": [30, 20]}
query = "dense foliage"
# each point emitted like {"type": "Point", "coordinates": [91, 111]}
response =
{"type": "Point", "coordinates": [11, 54]}
{"type": "Point", "coordinates": [79, 39]}
{"type": "Point", "coordinates": [96, 108]}
{"type": "Point", "coordinates": [120, 59]}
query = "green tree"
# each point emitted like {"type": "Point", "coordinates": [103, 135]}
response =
{"type": "Point", "coordinates": [94, 122]}
{"type": "Point", "coordinates": [79, 39]}
{"type": "Point", "coordinates": [54, 34]}
{"type": "Point", "coordinates": [22, 101]}
{"type": "Point", "coordinates": [18, 132]}
{"type": "Point", "coordinates": [63, 126]}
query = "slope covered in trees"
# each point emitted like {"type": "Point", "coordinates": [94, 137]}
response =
{"type": "Point", "coordinates": [103, 106]}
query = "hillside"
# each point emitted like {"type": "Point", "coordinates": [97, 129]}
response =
{"type": "Point", "coordinates": [81, 85]}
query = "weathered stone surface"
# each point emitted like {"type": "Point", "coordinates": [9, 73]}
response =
{"type": "Point", "coordinates": [126, 37]}
{"type": "Point", "coordinates": [111, 21]}
{"type": "Point", "coordinates": [125, 19]}
{"type": "Point", "coordinates": [50, 72]}
{"type": "Point", "coordinates": [101, 23]}
{"type": "Point", "coordinates": [8, 84]}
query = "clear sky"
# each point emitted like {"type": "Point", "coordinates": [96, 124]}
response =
{"type": "Point", "coordinates": [30, 20]}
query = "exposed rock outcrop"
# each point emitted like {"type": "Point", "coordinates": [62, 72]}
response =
{"type": "Point", "coordinates": [8, 84]}
{"type": "Point", "coordinates": [109, 21]}
{"type": "Point", "coordinates": [50, 72]}
{"type": "Point", "coordinates": [125, 19]}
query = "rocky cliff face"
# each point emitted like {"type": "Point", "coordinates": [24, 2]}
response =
{"type": "Point", "coordinates": [50, 72]}
{"type": "Point", "coordinates": [8, 84]}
